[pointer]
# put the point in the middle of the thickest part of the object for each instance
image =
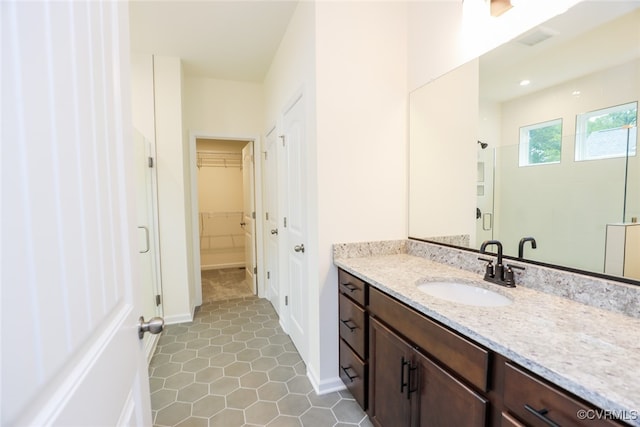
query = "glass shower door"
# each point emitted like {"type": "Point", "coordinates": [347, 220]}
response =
{"type": "Point", "coordinates": [148, 251]}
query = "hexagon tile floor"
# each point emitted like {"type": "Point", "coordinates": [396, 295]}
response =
{"type": "Point", "coordinates": [233, 366]}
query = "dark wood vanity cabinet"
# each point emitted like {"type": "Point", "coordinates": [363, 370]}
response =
{"type": "Point", "coordinates": [406, 369]}
{"type": "Point", "coordinates": [407, 385]}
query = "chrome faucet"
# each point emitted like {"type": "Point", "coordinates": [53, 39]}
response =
{"type": "Point", "coordinates": [498, 274]}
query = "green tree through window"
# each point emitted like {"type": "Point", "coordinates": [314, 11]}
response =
{"type": "Point", "coordinates": [541, 143]}
{"type": "Point", "coordinates": [613, 120]}
{"type": "Point", "coordinates": [545, 144]}
{"type": "Point", "coordinates": [605, 133]}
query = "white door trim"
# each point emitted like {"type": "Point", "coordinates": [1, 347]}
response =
{"type": "Point", "coordinates": [195, 234]}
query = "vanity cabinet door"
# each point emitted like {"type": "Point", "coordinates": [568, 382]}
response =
{"type": "Point", "coordinates": [442, 400]}
{"type": "Point", "coordinates": [409, 389]}
{"type": "Point", "coordinates": [388, 380]}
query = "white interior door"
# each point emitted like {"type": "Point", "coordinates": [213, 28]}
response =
{"type": "Point", "coordinates": [71, 354]}
{"type": "Point", "coordinates": [248, 215]}
{"type": "Point", "coordinates": [271, 232]}
{"type": "Point", "coordinates": [296, 232]}
{"type": "Point", "coordinates": [148, 254]}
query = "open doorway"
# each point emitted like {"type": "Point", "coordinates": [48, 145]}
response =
{"type": "Point", "coordinates": [225, 214]}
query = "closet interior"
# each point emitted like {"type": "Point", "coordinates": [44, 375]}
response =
{"type": "Point", "coordinates": [220, 201]}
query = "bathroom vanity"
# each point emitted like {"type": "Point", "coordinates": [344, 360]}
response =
{"type": "Point", "coordinates": [412, 359]}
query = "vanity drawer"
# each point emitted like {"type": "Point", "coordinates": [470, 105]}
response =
{"type": "Point", "coordinates": [522, 390]}
{"type": "Point", "coordinates": [353, 373]}
{"type": "Point", "coordinates": [467, 359]}
{"type": "Point", "coordinates": [353, 325]}
{"type": "Point", "coordinates": [351, 286]}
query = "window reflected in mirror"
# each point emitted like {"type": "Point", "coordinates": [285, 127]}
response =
{"type": "Point", "coordinates": [541, 143]}
{"type": "Point", "coordinates": [606, 133]}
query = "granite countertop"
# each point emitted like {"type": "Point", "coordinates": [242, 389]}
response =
{"type": "Point", "coordinates": [591, 352]}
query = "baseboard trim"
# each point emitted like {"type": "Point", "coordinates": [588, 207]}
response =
{"type": "Point", "coordinates": [326, 386]}
{"type": "Point", "coordinates": [178, 318]}
{"type": "Point", "coordinates": [150, 347]}
{"type": "Point", "coordinates": [221, 266]}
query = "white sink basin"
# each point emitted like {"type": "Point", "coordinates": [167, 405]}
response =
{"type": "Point", "coordinates": [464, 294]}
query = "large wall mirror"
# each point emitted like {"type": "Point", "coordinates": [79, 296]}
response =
{"type": "Point", "coordinates": [537, 138]}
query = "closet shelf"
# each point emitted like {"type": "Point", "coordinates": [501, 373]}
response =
{"type": "Point", "coordinates": [219, 159]}
{"type": "Point", "coordinates": [220, 214]}
{"type": "Point", "coordinates": [220, 236]}
{"type": "Point", "coordinates": [223, 250]}
{"type": "Point", "coordinates": [222, 242]}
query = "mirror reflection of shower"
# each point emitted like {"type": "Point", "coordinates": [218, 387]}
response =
{"type": "Point", "coordinates": [484, 207]}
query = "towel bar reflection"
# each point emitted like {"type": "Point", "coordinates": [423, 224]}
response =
{"type": "Point", "coordinates": [487, 221]}
{"type": "Point", "coordinates": [146, 234]}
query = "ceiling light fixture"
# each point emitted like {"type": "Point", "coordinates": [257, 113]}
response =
{"type": "Point", "coordinates": [525, 82]}
{"type": "Point", "coordinates": [498, 7]}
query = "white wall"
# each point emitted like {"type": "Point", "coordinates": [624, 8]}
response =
{"type": "Point", "coordinates": [173, 204]}
{"type": "Point", "coordinates": [142, 95]}
{"type": "Point", "coordinates": [223, 107]}
{"type": "Point", "coordinates": [361, 88]}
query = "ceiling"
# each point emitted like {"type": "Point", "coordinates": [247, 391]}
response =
{"type": "Point", "coordinates": [227, 40]}
{"type": "Point", "coordinates": [589, 37]}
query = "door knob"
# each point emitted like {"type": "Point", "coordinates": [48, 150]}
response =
{"type": "Point", "coordinates": [299, 248]}
{"type": "Point", "coordinates": [274, 231]}
{"type": "Point", "coordinates": [155, 326]}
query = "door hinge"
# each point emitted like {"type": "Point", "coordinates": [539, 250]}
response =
{"type": "Point", "coordinates": [255, 270]}
{"type": "Point", "coordinates": [253, 214]}
{"type": "Point", "coordinates": [266, 154]}
{"type": "Point", "coordinates": [266, 214]}
{"type": "Point", "coordinates": [150, 162]}
{"type": "Point", "coordinates": [282, 138]}
{"type": "Point", "coordinates": [286, 300]}
{"type": "Point", "coordinates": [268, 275]}
{"type": "Point", "coordinates": [158, 300]}
{"type": "Point", "coordinates": [285, 222]}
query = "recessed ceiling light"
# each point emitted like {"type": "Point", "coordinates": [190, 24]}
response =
{"type": "Point", "coordinates": [524, 82]}
{"type": "Point", "coordinates": [575, 93]}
